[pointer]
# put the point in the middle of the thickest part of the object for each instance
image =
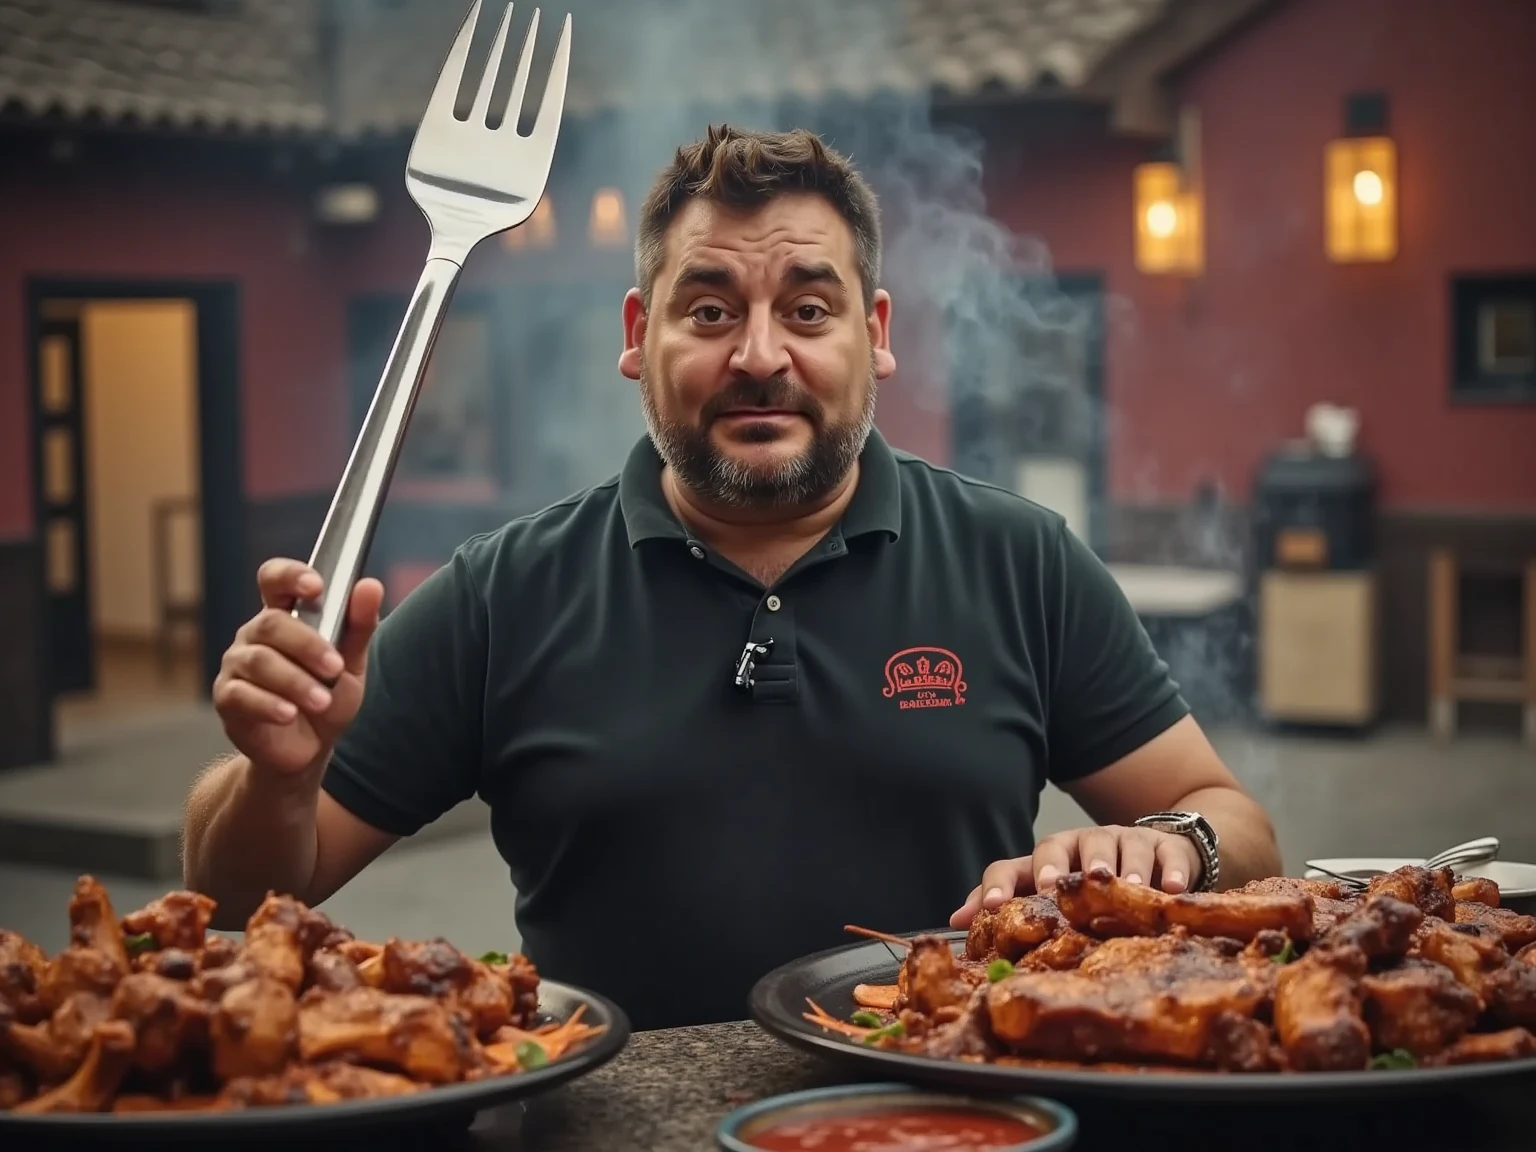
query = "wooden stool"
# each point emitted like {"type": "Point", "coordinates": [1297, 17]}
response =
{"type": "Point", "coordinates": [1455, 676]}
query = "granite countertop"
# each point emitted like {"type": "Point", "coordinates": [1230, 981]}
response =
{"type": "Point", "coordinates": [668, 1090]}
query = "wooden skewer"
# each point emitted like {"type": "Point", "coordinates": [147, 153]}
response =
{"type": "Point", "coordinates": [873, 935]}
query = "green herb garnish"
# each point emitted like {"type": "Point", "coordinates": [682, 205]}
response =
{"type": "Point", "coordinates": [895, 1029]}
{"type": "Point", "coordinates": [1397, 1058]}
{"type": "Point", "coordinates": [140, 942]}
{"type": "Point", "coordinates": [531, 1055]}
{"type": "Point", "coordinates": [1286, 954]}
{"type": "Point", "coordinates": [494, 958]}
{"type": "Point", "coordinates": [998, 969]}
{"type": "Point", "coordinates": [864, 1018]}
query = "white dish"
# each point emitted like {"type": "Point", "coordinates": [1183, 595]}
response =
{"type": "Point", "coordinates": [1513, 879]}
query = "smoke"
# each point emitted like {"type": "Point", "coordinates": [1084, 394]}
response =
{"type": "Point", "coordinates": [985, 331]}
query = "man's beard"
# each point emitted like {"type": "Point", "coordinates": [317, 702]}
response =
{"type": "Point", "coordinates": [714, 476]}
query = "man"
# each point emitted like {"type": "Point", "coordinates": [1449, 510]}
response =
{"type": "Point", "coordinates": [773, 678]}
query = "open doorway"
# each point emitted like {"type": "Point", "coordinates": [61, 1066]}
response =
{"type": "Point", "coordinates": [135, 450]}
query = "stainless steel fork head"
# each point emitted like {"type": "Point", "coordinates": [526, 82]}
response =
{"type": "Point", "coordinates": [470, 180]}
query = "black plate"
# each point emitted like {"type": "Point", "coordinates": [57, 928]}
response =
{"type": "Point", "coordinates": [829, 978]}
{"type": "Point", "coordinates": [449, 1104]}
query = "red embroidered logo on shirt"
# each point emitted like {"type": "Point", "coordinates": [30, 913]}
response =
{"type": "Point", "coordinates": [924, 678]}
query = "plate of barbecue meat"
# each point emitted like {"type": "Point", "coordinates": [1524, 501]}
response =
{"type": "Point", "coordinates": [1285, 987]}
{"type": "Point", "coordinates": [151, 1024]}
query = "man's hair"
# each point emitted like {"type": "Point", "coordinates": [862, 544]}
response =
{"type": "Point", "coordinates": [744, 170]}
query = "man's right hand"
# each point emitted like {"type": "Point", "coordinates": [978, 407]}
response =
{"type": "Point", "coordinates": [271, 689]}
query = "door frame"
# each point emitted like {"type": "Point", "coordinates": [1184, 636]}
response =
{"type": "Point", "coordinates": [220, 459]}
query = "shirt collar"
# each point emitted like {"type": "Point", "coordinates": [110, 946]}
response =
{"type": "Point", "coordinates": [875, 507]}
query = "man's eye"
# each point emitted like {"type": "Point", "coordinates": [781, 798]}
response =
{"type": "Point", "coordinates": [709, 313]}
{"type": "Point", "coordinates": [809, 313]}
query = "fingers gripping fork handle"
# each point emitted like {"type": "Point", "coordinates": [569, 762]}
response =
{"type": "Point", "coordinates": [342, 546]}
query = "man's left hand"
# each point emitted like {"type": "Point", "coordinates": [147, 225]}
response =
{"type": "Point", "coordinates": [1139, 855]}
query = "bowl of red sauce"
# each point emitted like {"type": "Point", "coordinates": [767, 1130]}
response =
{"type": "Point", "coordinates": [897, 1118]}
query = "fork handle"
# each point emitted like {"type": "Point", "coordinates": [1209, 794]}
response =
{"type": "Point", "coordinates": [342, 546]}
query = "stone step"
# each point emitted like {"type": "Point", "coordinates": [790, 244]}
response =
{"type": "Point", "coordinates": [112, 802]}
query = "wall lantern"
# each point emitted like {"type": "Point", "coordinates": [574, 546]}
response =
{"type": "Point", "coordinates": [1360, 185]}
{"type": "Point", "coordinates": [538, 231]}
{"type": "Point", "coordinates": [1169, 226]}
{"type": "Point", "coordinates": [606, 228]}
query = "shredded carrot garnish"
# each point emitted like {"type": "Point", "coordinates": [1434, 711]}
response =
{"type": "Point", "coordinates": [824, 1019]}
{"type": "Point", "coordinates": [899, 941]}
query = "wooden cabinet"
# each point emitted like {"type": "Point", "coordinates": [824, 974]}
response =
{"type": "Point", "coordinates": [1317, 647]}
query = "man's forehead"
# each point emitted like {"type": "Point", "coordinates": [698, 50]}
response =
{"type": "Point", "coordinates": [792, 227]}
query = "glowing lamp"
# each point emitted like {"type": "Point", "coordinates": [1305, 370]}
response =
{"type": "Point", "coordinates": [538, 231]}
{"type": "Point", "coordinates": [1168, 232]}
{"type": "Point", "coordinates": [1361, 191]}
{"type": "Point", "coordinates": [606, 226]}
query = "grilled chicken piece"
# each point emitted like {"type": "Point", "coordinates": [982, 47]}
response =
{"type": "Point", "coordinates": [1102, 904]}
{"type": "Point", "coordinates": [274, 942]}
{"type": "Point", "coordinates": [1428, 891]}
{"type": "Point", "coordinates": [1330, 903]}
{"type": "Point", "coordinates": [55, 1048]}
{"type": "Point", "coordinates": [1476, 890]}
{"type": "Point", "coordinates": [331, 972]}
{"type": "Point", "coordinates": [1061, 953]}
{"type": "Point", "coordinates": [315, 1084]}
{"type": "Point", "coordinates": [1486, 1047]}
{"type": "Point", "coordinates": [1160, 998]}
{"type": "Point", "coordinates": [438, 969]}
{"type": "Point", "coordinates": [217, 952]}
{"type": "Point", "coordinates": [176, 920]}
{"type": "Point", "coordinates": [169, 1021]}
{"type": "Point", "coordinates": [1017, 926]}
{"type": "Point", "coordinates": [169, 963]}
{"type": "Point", "coordinates": [415, 1035]}
{"type": "Point", "coordinates": [1382, 927]}
{"type": "Point", "coordinates": [1527, 954]}
{"type": "Point", "coordinates": [94, 1083]}
{"type": "Point", "coordinates": [1317, 1011]}
{"type": "Point", "coordinates": [1514, 930]}
{"type": "Point", "coordinates": [1511, 994]}
{"type": "Point", "coordinates": [935, 981]}
{"type": "Point", "coordinates": [96, 957]}
{"type": "Point", "coordinates": [961, 1033]}
{"type": "Point", "coordinates": [22, 968]}
{"type": "Point", "coordinates": [1470, 951]}
{"type": "Point", "coordinates": [255, 1028]}
{"type": "Point", "coordinates": [1418, 1006]}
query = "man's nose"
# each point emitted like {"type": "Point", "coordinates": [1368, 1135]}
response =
{"type": "Point", "coordinates": [762, 351]}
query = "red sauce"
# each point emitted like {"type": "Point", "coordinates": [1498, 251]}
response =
{"type": "Point", "coordinates": [898, 1130]}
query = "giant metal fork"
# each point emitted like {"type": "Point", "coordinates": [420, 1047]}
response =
{"type": "Point", "coordinates": [471, 181]}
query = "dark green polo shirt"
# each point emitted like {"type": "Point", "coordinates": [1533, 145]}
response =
{"type": "Point", "coordinates": [945, 651]}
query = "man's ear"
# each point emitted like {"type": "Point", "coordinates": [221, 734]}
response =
{"type": "Point", "coordinates": [880, 334]}
{"type": "Point", "coordinates": [634, 334]}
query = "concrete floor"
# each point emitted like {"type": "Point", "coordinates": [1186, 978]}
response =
{"type": "Point", "coordinates": [1391, 793]}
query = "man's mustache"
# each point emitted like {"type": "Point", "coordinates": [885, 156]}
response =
{"type": "Point", "coordinates": [777, 392]}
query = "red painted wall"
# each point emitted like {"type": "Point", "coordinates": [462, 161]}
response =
{"type": "Point", "coordinates": [1205, 377]}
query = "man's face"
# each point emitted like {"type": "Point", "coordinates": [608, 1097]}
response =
{"type": "Point", "coordinates": [758, 356]}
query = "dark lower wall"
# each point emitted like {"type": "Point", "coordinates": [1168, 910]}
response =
{"type": "Point", "coordinates": [1490, 548]}
{"type": "Point", "coordinates": [26, 721]}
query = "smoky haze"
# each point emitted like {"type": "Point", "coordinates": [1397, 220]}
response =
{"type": "Point", "coordinates": [1005, 347]}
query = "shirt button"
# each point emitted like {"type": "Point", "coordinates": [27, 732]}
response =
{"type": "Point", "coordinates": [697, 552]}
{"type": "Point", "coordinates": [774, 603]}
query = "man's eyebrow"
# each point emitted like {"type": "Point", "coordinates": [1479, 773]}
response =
{"type": "Point", "coordinates": [701, 275]}
{"type": "Point", "coordinates": [818, 273]}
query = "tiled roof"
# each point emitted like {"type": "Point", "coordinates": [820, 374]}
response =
{"type": "Point", "coordinates": [634, 52]}
{"type": "Point", "coordinates": [254, 67]}
{"type": "Point", "coordinates": [261, 64]}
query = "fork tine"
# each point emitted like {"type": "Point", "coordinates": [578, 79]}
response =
{"type": "Point", "coordinates": [520, 83]}
{"type": "Point", "coordinates": [479, 112]}
{"type": "Point", "coordinates": [445, 95]}
{"type": "Point", "coordinates": [547, 127]}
